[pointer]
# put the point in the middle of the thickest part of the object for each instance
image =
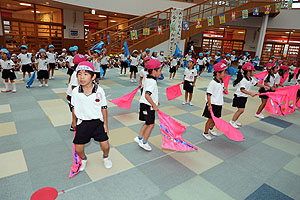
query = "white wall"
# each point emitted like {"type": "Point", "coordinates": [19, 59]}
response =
{"type": "Point", "coordinates": [165, 46]}
{"type": "Point", "coordinates": [133, 7]}
{"type": "Point", "coordinates": [251, 39]}
{"type": "Point", "coordinates": [73, 20]}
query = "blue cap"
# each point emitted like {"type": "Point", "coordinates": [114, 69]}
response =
{"type": "Point", "coordinates": [200, 54]}
{"type": "Point", "coordinates": [272, 56]}
{"type": "Point", "coordinates": [219, 53]}
{"type": "Point", "coordinates": [247, 53]}
{"type": "Point", "coordinates": [71, 49]}
{"type": "Point", "coordinates": [24, 46]}
{"type": "Point", "coordinates": [135, 51]}
{"type": "Point", "coordinates": [162, 50]}
{"type": "Point", "coordinates": [51, 45]}
{"type": "Point", "coordinates": [97, 51]}
{"type": "Point", "coordinates": [3, 50]}
{"type": "Point", "coordinates": [233, 51]}
{"type": "Point", "coordinates": [228, 54]}
{"type": "Point", "coordinates": [207, 53]}
{"type": "Point", "coordinates": [190, 51]}
{"type": "Point", "coordinates": [154, 51]}
{"type": "Point", "coordinates": [75, 48]}
{"type": "Point", "coordinates": [147, 50]}
{"type": "Point", "coordinates": [42, 50]}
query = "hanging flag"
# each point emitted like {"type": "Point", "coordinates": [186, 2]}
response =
{"type": "Point", "coordinates": [177, 51]}
{"type": "Point", "coordinates": [186, 25]}
{"type": "Point", "coordinates": [261, 76]}
{"type": "Point", "coordinates": [222, 19]}
{"type": "Point", "coordinates": [210, 21]}
{"type": "Point", "coordinates": [173, 92]}
{"type": "Point", "coordinates": [108, 38]}
{"type": "Point", "coordinates": [245, 14]}
{"type": "Point", "coordinates": [267, 9]}
{"type": "Point", "coordinates": [76, 161]}
{"type": "Point", "coordinates": [290, 4]}
{"type": "Point", "coordinates": [198, 23]}
{"type": "Point", "coordinates": [126, 49]}
{"type": "Point", "coordinates": [228, 130]}
{"type": "Point", "coordinates": [97, 46]}
{"type": "Point", "coordinates": [285, 76]}
{"type": "Point", "coordinates": [173, 27]}
{"type": "Point", "coordinates": [134, 35]}
{"type": "Point", "coordinates": [226, 83]}
{"type": "Point", "coordinates": [233, 14]}
{"type": "Point", "coordinates": [172, 134]}
{"type": "Point", "coordinates": [256, 11]}
{"type": "Point", "coordinates": [146, 31]}
{"type": "Point", "coordinates": [125, 101]}
{"type": "Point", "coordinates": [277, 7]}
{"type": "Point", "coordinates": [159, 30]}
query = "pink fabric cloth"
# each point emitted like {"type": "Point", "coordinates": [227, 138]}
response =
{"type": "Point", "coordinates": [125, 101]}
{"type": "Point", "coordinates": [282, 101]}
{"type": "Point", "coordinates": [226, 83]}
{"type": "Point", "coordinates": [223, 126]}
{"type": "Point", "coordinates": [172, 134]}
{"type": "Point", "coordinates": [260, 76]}
{"type": "Point", "coordinates": [173, 91]}
{"type": "Point", "coordinates": [76, 161]}
{"type": "Point", "coordinates": [282, 80]}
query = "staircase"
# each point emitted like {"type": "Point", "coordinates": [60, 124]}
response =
{"type": "Point", "coordinates": [121, 32]}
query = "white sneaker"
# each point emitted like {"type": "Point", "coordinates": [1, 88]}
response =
{"type": "Point", "coordinates": [238, 123]}
{"type": "Point", "coordinates": [41, 85]}
{"type": "Point", "coordinates": [131, 80]}
{"type": "Point", "coordinates": [297, 108]}
{"type": "Point", "coordinates": [183, 103]}
{"type": "Point", "coordinates": [207, 136]}
{"type": "Point", "coordinates": [170, 78]}
{"type": "Point", "coordinates": [136, 139]}
{"type": "Point", "coordinates": [121, 74]}
{"type": "Point", "coordinates": [107, 163]}
{"type": "Point", "coordinates": [83, 165]}
{"type": "Point", "coordinates": [53, 77]}
{"type": "Point", "coordinates": [14, 91]}
{"type": "Point", "coordinates": [135, 81]}
{"type": "Point", "coordinates": [191, 103]}
{"type": "Point", "coordinates": [173, 78]}
{"type": "Point", "coordinates": [232, 123]}
{"type": "Point", "coordinates": [145, 146]}
{"type": "Point", "coordinates": [212, 132]}
{"type": "Point", "coordinates": [22, 79]}
{"type": "Point", "coordinates": [260, 116]}
{"type": "Point", "coordinates": [50, 78]}
{"type": "Point", "coordinates": [46, 85]}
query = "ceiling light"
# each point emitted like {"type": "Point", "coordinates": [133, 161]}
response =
{"type": "Point", "coordinates": [240, 32]}
{"type": "Point", "coordinates": [115, 14]}
{"type": "Point", "coordinates": [25, 4]}
{"type": "Point", "coordinates": [221, 28]}
{"type": "Point", "coordinates": [287, 32]}
{"type": "Point", "coordinates": [112, 20]}
{"type": "Point", "coordinates": [86, 25]}
{"type": "Point", "coordinates": [47, 2]}
{"type": "Point", "coordinates": [101, 16]}
{"type": "Point", "coordinates": [36, 11]}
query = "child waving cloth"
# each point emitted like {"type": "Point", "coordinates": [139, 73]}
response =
{"type": "Point", "coordinates": [244, 82]}
{"type": "Point", "coordinates": [190, 77]}
{"type": "Point", "coordinates": [214, 99]}
{"type": "Point", "coordinates": [149, 103]}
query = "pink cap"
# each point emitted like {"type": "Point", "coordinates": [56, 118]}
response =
{"type": "Point", "coordinates": [193, 60]}
{"type": "Point", "coordinates": [153, 64]}
{"type": "Point", "coordinates": [270, 65]}
{"type": "Point", "coordinates": [147, 58]}
{"type": "Point", "coordinates": [79, 58]}
{"type": "Point", "coordinates": [248, 66]}
{"type": "Point", "coordinates": [85, 65]}
{"type": "Point", "coordinates": [220, 67]}
{"type": "Point", "coordinates": [284, 67]}
{"type": "Point", "coordinates": [294, 61]}
{"type": "Point", "coordinates": [284, 60]}
{"type": "Point", "coordinates": [223, 61]}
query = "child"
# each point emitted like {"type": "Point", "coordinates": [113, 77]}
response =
{"type": "Point", "coordinates": [173, 67]}
{"type": "Point", "coordinates": [149, 103]}
{"type": "Point", "coordinates": [104, 62]}
{"type": "Point", "coordinates": [292, 67]}
{"type": "Point", "coordinates": [143, 75]}
{"type": "Point", "coordinates": [241, 62]}
{"type": "Point", "coordinates": [70, 63]}
{"type": "Point", "coordinates": [43, 66]}
{"type": "Point", "coordinates": [96, 62]}
{"type": "Point", "coordinates": [154, 54]}
{"type": "Point", "coordinates": [90, 108]}
{"type": "Point", "coordinates": [214, 99]}
{"type": "Point", "coordinates": [201, 62]}
{"type": "Point", "coordinates": [189, 55]}
{"type": "Point", "coordinates": [52, 60]}
{"type": "Point", "coordinates": [8, 67]}
{"type": "Point", "coordinates": [244, 81]}
{"type": "Point", "coordinates": [282, 70]}
{"type": "Point", "coordinates": [190, 77]}
{"type": "Point", "coordinates": [26, 62]}
{"type": "Point", "coordinates": [207, 59]}
{"type": "Point", "coordinates": [270, 81]}
{"type": "Point", "coordinates": [61, 62]}
{"type": "Point", "coordinates": [228, 59]}
{"type": "Point", "coordinates": [147, 52]}
{"type": "Point", "coordinates": [124, 63]}
{"type": "Point", "coordinates": [134, 62]}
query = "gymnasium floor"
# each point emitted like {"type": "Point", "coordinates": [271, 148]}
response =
{"type": "Point", "coordinates": [36, 144]}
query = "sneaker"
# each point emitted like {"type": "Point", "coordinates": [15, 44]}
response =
{"type": "Point", "coordinates": [173, 78]}
{"type": "Point", "coordinates": [5, 90]}
{"type": "Point", "coordinates": [107, 163]}
{"type": "Point", "coordinates": [238, 123]}
{"type": "Point", "coordinates": [212, 132]}
{"type": "Point", "coordinates": [83, 165]}
{"type": "Point", "coordinates": [183, 103]}
{"type": "Point", "coordinates": [135, 81]}
{"type": "Point", "coordinates": [260, 116]}
{"type": "Point", "coordinates": [41, 85]}
{"type": "Point", "coordinates": [46, 85]}
{"type": "Point", "coordinates": [50, 78]}
{"type": "Point", "coordinates": [14, 91]}
{"type": "Point", "coordinates": [297, 108]}
{"type": "Point", "coordinates": [232, 123]}
{"type": "Point", "coordinates": [71, 128]}
{"type": "Point", "coordinates": [136, 139]}
{"type": "Point", "coordinates": [121, 74]}
{"type": "Point", "coordinates": [131, 80]}
{"type": "Point", "coordinates": [170, 78]}
{"type": "Point", "coordinates": [145, 146]}
{"type": "Point", "coordinates": [207, 136]}
{"type": "Point", "coordinates": [191, 103]}
{"type": "Point", "coordinates": [22, 79]}
{"type": "Point", "coordinates": [53, 77]}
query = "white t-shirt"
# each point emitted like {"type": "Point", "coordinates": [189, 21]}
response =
{"type": "Point", "coordinates": [241, 62]}
{"type": "Point", "coordinates": [104, 60]}
{"type": "Point", "coordinates": [150, 87]}
{"type": "Point", "coordinates": [174, 62]}
{"type": "Point", "coordinates": [277, 78]}
{"type": "Point", "coordinates": [70, 60]}
{"type": "Point", "coordinates": [161, 58]}
{"type": "Point", "coordinates": [228, 62]}
{"type": "Point", "coordinates": [134, 61]}
{"type": "Point", "coordinates": [73, 83]}
{"type": "Point", "coordinates": [232, 58]}
{"type": "Point", "coordinates": [7, 64]}
{"type": "Point", "coordinates": [201, 61]}
{"type": "Point", "coordinates": [291, 69]}
{"type": "Point", "coordinates": [245, 84]}
{"type": "Point", "coordinates": [215, 88]}
{"type": "Point", "coordinates": [96, 64]}
{"type": "Point", "coordinates": [51, 57]}
{"type": "Point", "coordinates": [25, 58]}
{"type": "Point", "coordinates": [189, 75]}
{"type": "Point", "coordinates": [188, 57]}
{"type": "Point", "coordinates": [123, 58]}
{"type": "Point", "coordinates": [42, 64]}
{"type": "Point", "coordinates": [88, 107]}
{"type": "Point", "coordinates": [143, 74]}
{"type": "Point", "coordinates": [273, 80]}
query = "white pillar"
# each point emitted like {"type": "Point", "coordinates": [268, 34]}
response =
{"type": "Point", "coordinates": [262, 34]}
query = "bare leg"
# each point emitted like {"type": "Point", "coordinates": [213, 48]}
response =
{"type": "Point", "coordinates": [79, 148]}
{"type": "Point", "coordinates": [190, 97]}
{"type": "Point", "coordinates": [237, 114]}
{"type": "Point", "coordinates": [262, 105]}
{"type": "Point", "coordinates": [29, 74]}
{"type": "Point", "coordinates": [148, 132]}
{"type": "Point", "coordinates": [105, 147]}
{"type": "Point", "coordinates": [134, 75]}
{"type": "Point", "coordinates": [142, 131]}
{"type": "Point", "coordinates": [209, 125]}
{"type": "Point", "coordinates": [186, 96]}
{"type": "Point", "coordinates": [46, 81]}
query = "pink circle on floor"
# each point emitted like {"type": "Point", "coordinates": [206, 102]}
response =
{"type": "Point", "coordinates": [47, 193]}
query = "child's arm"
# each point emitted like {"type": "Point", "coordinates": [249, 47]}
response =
{"type": "Point", "coordinates": [48, 67]}
{"type": "Point", "coordinates": [261, 85]}
{"type": "Point", "coordinates": [104, 113]}
{"type": "Point", "coordinates": [247, 92]}
{"type": "Point", "coordinates": [209, 102]}
{"type": "Point", "coordinates": [149, 99]}
{"type": "Point", "coordinates": [89, 53]}
{"type": "Point", "coordinates": [74, 119]}
{"type": "Point", "coordinates": [195, 79]}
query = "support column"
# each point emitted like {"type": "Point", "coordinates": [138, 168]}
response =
{"type": "Point", "coordinates": [262, 34]}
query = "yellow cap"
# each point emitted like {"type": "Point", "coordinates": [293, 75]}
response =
{"type": "Point", "coordinates": [110, 55]}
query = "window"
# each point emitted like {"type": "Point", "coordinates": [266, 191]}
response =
{"type": "Point", "coordinates": [48, 14]}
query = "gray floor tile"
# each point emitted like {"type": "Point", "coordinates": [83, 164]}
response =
{"type": "Point", "coordinates": [291, 133]}
{"type": "Point", "coordinates": [189, 118]}
{"type": "Point", "coordinates": [277, 122]}
{"type": "Point", "coordinates": [267, 192]}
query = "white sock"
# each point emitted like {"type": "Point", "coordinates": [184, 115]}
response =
{"type": "Point", "coordinates": [14, 86]}
{"type": "Point", "coordinates": [6, 86]}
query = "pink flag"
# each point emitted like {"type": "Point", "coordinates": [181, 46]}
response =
{"type": "Point", "coordinates": [260, 76]}
{"type": "Point", "coordinates": [223, 126]}
{"type": "Point", "coordinates": [282, 101]}
{"type": "Point", "coordinates": [172, 134]}
{"type": "Point", "coordinates": [125, 101]}
{"type": "Point", "coordinates": [173, 91]}
{"type": "Point", "coordinates": [285, 76]}
{"type": "Point", "coordinates": [296, 72]}
{"type": "Point", "coordinates": [226, 83]}
{"type": "Point", "coordinates": [76, 161]}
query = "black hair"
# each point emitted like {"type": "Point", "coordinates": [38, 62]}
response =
{"type": "Point", "coordinates": [281, 72]}
{"type": "Point", "coordinates": [90, 72]}
{"type": "Point", "coordinates": [240, 76]}
{"type": "Point", "coordinates": [269, 75]}
{"type": "Point", "coordinates": [151, 70]}
{"type": "Point", "coordinates": [39, 55]}
{"type": "Point", "coordinates": [297, 75]}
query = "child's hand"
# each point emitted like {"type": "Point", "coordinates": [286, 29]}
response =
{"type": "Point", "coordinates": [253, 95]}
{"type": "Point", "coordinates": [140, 85]}
{"type": "Point", "coordinates": [105, 128]}
{"type": "Point", "coordinates": [193, 84]}
{"type": "Point", "coordinates": [209, 107]}
{"type": "Point", "coordinates": [155, 107]}
{"type": "Point", "coordinates": [266, 87]}
{"type": "Point", "coordinates": [74, 124]}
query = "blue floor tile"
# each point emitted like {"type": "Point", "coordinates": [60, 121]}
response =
{"type": "Point", "coordinates": [277, 122]}
{"type": "Point", "coordinates": [267, 192]}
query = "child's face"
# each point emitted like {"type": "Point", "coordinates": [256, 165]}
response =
{"type": "Point", "coordinates": [23, 50]}
{"type": "Point", "coordinates": [135, 55]}
{"type": "Point", "coordinates": [190, 64]}
{"type": "Point", "coordinates": [251, 72]}
{"type": "Point", "coordinates": [51, 49]}
{"type": "Point", "coordinates": [221, 74]}
{"type": "Point", "coordinates": [4, 55]}
{"type": "Point", "coordinates": [43, 54]}
{"type": "Point", "coordinates": [84, 77]}
{"type": "Point", "coordinates": [155, 53]}
{"type": "Point", "coordinates": [275, 70]}
{"type": "Point", "coordinates": [157, 73]}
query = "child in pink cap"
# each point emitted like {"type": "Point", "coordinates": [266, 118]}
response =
{"type": "Point", "coordinates": [190, 77]}
{"type": "Point", "coordinates": [90, 108]}
{"type": "Point", "coordinates": [149, 103]}
{"type": "Point", "coordinates": [244, 82]}
{"type": "Point", "coordinates": [214, 99]}
{"type": "Point", "coordinates": [143, 74]}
